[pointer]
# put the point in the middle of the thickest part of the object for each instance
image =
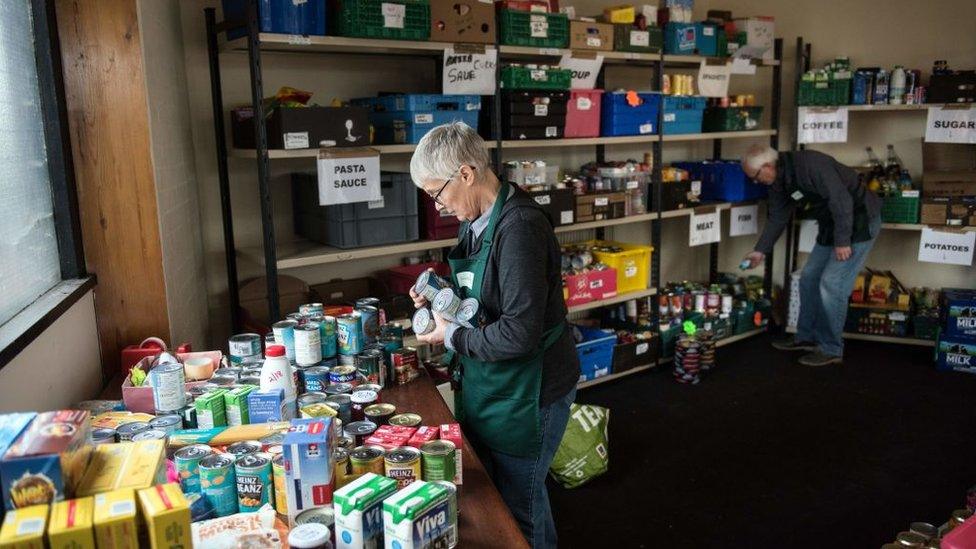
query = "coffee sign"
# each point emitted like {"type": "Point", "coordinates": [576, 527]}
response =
{"type": "Point", "coordinates": [822, 125]}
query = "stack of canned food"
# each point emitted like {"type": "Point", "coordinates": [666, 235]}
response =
{"type": "Point", "coordinates": [445, 302]}
{"type": "Point", "coordinates": [693, 354]}
{"type": "Point", "coordinates": [923, 535]}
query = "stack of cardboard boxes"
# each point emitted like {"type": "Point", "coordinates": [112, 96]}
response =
{"type": "Point", "coordinates": [948, 185]}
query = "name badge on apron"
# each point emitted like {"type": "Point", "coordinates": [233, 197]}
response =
{"type": "Point", "coordinates": [797, 195]}
{"type": "Point", "coordinates": [465, 279]}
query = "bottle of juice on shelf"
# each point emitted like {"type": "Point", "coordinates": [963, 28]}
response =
{"type": "Point", "coordinates": [896, 90]}
{"type": "Point", "coordinates": [276, 373]}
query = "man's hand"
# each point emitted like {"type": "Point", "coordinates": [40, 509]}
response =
{"type": "Point", "coordinates": [419, 301]}
{"type": "Point", "coordinates": [754, 259]}
{"type": "Point", "coordinates": [437, 336]}
{"type": "Point", "coordinates": [842, 253]}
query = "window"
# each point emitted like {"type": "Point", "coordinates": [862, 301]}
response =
{"type": "Point", "coordinates": [41, 261]}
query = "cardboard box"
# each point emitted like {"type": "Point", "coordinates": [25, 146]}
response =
{"type": "Point", "coordinates": [558, 203]}
{"type": "Point", "coordinates": [24, 528]}
{"type": "Point", "coordinates": [46, 462]}
{"type": "Point", "coordinates": [956, 354]}
{"type": "Point", "coordinates": [236, 405]}
{"type": "Point", "coordinates": [359, 510]}
{"type": "Point", "coordinates": [589, 35]}
{"type": "Point", "coordinates": [70, 525]}
{"type": "Point", "coordinates": [167, 516]}
{"type": "Point", "coordinates": [133, 465]}
{"type": "Point", "coordinates": [390, 436]}
{"type": "Point", "coordinates": [960, 312]}
{"type": "Point", "coordinates": [418, 516]}
{"type": "Point", "coordinates": [470, 21]}
{"type": "Point", "coordinates": [948, 170]}
{"type": "Point", "coordinates": [115, 519]}
{"type": "Point", "coordinates": [309, 477]}
{"type": "Point", "coordinates": [210, 409]}
{"type": "Point", "coordinates": [423, 435]}
{"type": "Point", "coordinates": [303, 127]}
{"type": "Point", "coordinates": [264, 406]}
{"type": "Point", "coordinates": [599, 206]}
{"type": "Point", "coordinates": [589, 286]}
{"type": "Point", "coordinates": [934, 211]}
{"type": "Point", "coordinates": [452, 432]}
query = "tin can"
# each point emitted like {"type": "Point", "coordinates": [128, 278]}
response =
{"type": "Point", "coordinates": [152, 434]}
{"type": "Point", "coordinates": [438, 460]}
{"type": "Point", "coordinates": [726, 303]}
{"type": "Point", "coordinates": [924, 529]}
{"type": "Point", "coordinates": [675, 303]}
{"type": "Point", "coordinates": [269, 339]}
{"type": "Point", "coordinates": [189, 416]}
{"type": "Point", "coordinates": [343, 374]}
{"type": "Point", "coordinates": [360, 400]}
{"type": "Point", "coordinates": [380, 413]}
{"type": "Point", "coordinates": [347, 360]}
{"type": "Point", "coordinates": [278, 476]}
{"type": "Point", "coordinates": [338, 388]}
{"type": "Point", "coordinates": [369, 317]}
{"type": "Point", "coordinates": [311, 309]}
{"type": "Point", "coordinates": [242, 346]}
{"type": "Point", "coordinates": [446, 303]}
{"type": "Point", "coordinates": [104, 436]}
{"type": "Point", "coordinates": [167, 387]}
{"type": "Point", "coordinates": [218, 483]}
{"type": "Point", "coordinates": [663, 305]}
{"type": "Point", "coordinates": [453, 511]}
{"type": "Point", "coordinates": [312, 397]}
{"type": "Point", "coordinates": [284, 334]}
{"type": "Point", "coordinates": [244, 447]}
{"type": "Point", "coordinates": [376, 388]}
{"type": "Point", "coordinates": [366, 459]}
{"type": "Point", "coordinates": [392, 329]}
{"type": "Point", "coordinates": [369, 364]}
{"type": "Point", "coordinates": [308, 344]}
{"type": "Point", "coordinates": [341, 404]}
{"type": "Point", "coordinates": [428, 284]}
{"type": "Point", "coordinates": [360, 430]}
{"type": "Point", "coordinates": [346, 443]}
{"type": "Point", "coordinates": [187, 461]}
{"type": "Point", "coordinates": [467, 313]}
{"type": "Point", "coordinates": [714, 301]}
{"type": "Point", "coordinates": [423, 322]}
{"type": "Point", "coordinates": [700, 302]}
{"type": "Point", "coordinates": [298, 317]}
{"type": "Point", "coordinates": [327, 332]}
{"type": "Point", "coordinates": [406, 420]}
{"type": "Point", "coordinates": [316, 379]}
{"type": "Point", "coordinates": [254, 481]}
{"type": "Point", "coordinates": [128, 430]}
{"type": "Point", "coordinates": [349, 332]}
{"type": "Point", "coordinates": [250, 379]}
{"type": "Point", "coordinates": [403, 465]}
{"type": "Point", "coordinates": [223, 380]}
{"type": "Point", "coordinates": [317, 515]}
{"type": "Point", "coordinates": [168, 424]}
{"type": "Point", "coordinates": [341, 458]}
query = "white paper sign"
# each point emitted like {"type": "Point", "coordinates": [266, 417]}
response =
{"type": "Point", "coordinates": [704, 228]}
{"type": "Point", "coordinates": [743, 220]}
{"type": "Point", "coordinates": [585, 71]}
{"type": "Point", "coordinates": [822, 125]}
{"type": "Point", "coordinates": [808, 235]}
{"type": "Point", "coordinates": [348, 180]}
{"type": "Point", "coordinates": [741, 65]}
{"type": "Point", "coordinates": [713, 80]}
{"type": "Point", "coordinates": [946, 247]}
{"type": "Point", "coordinates": [393, 15]}
{"type": "Point", "coordinates": [539, 26]}
{"type": "Point", "coordinates": [469, 73]}
{"type": "Point", "coordinates": [951, 125]}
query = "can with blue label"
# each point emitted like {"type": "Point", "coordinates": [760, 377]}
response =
{"type": "Point", "coordinates": [350, 334]}
{"type": "Point", "coordinates": [316, 379]}
{"type": "Point", "coordinates": [327, 333]}
{"type": "Point", "coordinates": [169, 394]}
{"type": "Point", "coordinates": [187, 461]}
{"type": "Point", "coordinates": [218, 483]}
{"type": "Point", "coordinates": [284, 334]}
{"type": "Point", "coordinates": [311, 309]}
{"type": "Point", "coordinates": [369, 317]}
{"type": "Point", "coordinates": [254, 481]}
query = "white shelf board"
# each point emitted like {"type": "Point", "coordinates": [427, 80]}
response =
{"type": "Point", "coordinates": [615, 57]}
{"type": "Point", "coordinates": [620, 298]}
{"type": "Point", "coordinates": [682, 60]}
{"type": "Point", "coordinates": [611, 377]}
{"type": "Point", "coordinates": [719, 135]}
{"type": "Point", "coordinates": [606, 223]}
{"type": "Point", "coordinates": [288, 43]}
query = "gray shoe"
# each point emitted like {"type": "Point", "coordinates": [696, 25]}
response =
{"type": "Point", "coordinates": [817, 358]}
{"type": "Point", "coordinates": [791, 344]}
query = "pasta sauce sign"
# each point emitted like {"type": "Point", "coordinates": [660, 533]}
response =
{"type": "Point", "coordinates": [346, 178]}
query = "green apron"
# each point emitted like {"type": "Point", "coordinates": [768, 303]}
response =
{"type": "Point", "coordinates": [498, 402]}
{"type": "Point", "coordinates": [818, 207]}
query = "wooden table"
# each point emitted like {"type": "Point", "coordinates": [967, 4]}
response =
{"type": "Point", "coordinates": [484, 520]}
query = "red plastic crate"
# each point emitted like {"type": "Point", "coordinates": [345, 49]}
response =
{"type": "Point", "coordinates": [583, 113]}
{"type": "Point", "coordinates": [433, 224]}
{"type": "Point", "coordinates": [590, 286]}
{"type": "Point", "coordinates": [399, 280]}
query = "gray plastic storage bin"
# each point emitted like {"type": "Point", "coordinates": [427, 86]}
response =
{"type": "Point", "coordinates": [361, 224]}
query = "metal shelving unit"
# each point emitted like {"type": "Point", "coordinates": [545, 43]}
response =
{"type": "Point", "coordinates": [303, 254]}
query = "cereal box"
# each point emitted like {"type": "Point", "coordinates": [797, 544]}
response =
{"type": "Point", "coordinates": [124, 465]}
{"type": "Point", "coordinates": [452, 432]}
{"type": "Point", "coordinates": [167, 516]}
{"type": "Point", "coordinates": [45, 463]}
{"type": "Point", "coordinates": [210, 409]}
{"type": "Point", "coordinates": [235, 405]}
{"type": "Point", "coordinates": [265, 406]}
{"type": "Point", "coordinates": [71, 524]}
{"type": "Point", "coordinates": [115, 519]}
{"type": "Point", "coordinates": [359, 511]}
{"type": "Point", "coordinates": [24, 528]}
{"type": "Point", "coordinates": [307, 449]}
{"type": "Point", "coordinates": [417, 517]}
{"type": "Point", "coordinates": [424, 434]}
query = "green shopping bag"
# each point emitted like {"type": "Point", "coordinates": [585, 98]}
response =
{"type": "Point", "coordinates": [583, 452]}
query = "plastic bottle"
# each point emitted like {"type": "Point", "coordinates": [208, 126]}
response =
{"type": "Point", "coordinates": [881, 88]}
{"type": "Point", "coordinates": [897, 88]}
{"type": "Point", "coordinates": [276, 373]}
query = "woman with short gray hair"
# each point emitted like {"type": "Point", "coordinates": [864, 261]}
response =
{"type": "Point", "coordinates": [517, 365]}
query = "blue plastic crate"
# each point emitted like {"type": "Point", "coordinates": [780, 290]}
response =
{"type": "Point", "coordinates": [683, 114]}
{"type": "Point", "coordinates": [595, 352]}
{"type": "Point", "coordinates": [420, 102]}
{"type": "Point", "coordinates": [680, 38]}
{"type": "Point", "coordinates": [279, 16]}
{"type": "Point", "coordinates": [617, 117]}
{"type": "Point", "coordinates": [706, 38]}
{"type": "Point", "coordinates": [723, 180]}
{"type": "Point", "coordinates": [410, 126]}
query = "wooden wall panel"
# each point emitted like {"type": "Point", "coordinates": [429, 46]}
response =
{"type": "Point", "coordinates": [109, 124]}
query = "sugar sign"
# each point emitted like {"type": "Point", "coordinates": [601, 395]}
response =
{"type": "Point", "coordinates": [349, 176]}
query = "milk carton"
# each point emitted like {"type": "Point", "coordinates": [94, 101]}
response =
{"type": "Point", "coordinates": [309, 473]}
{"type": "Point", "coordinates": [418, 517]}
{"type": "Point", "coordinates": [359, 511]}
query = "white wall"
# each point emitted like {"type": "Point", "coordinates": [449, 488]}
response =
{"type": "Point", "coordinates": [871, 33]}
{"type": "Point", "coordinates": [59, 368]}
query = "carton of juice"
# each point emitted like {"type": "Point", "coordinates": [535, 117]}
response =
{"type": "Point", "coordinates": [210, 409]}
{"type": "Point", "coordinates": [309, 473]}
{"type": "Point", "coordinates": [359, 511]}
{"type": "Point", "coordinates": [115, 519]}
{"type": "Point", "coordinates": [235, 405]}
{"type": "Point", "coordinates": [417, 517]}
{"type": "Point", "coordinates": [167, 516]}
{"type": "Point", "coordinates": [24, 528]}
{"type": "Point", "coordinates": [71, 524]}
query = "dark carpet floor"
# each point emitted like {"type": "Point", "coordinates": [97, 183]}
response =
{"type": "Point", "coordinates": [765, 453]}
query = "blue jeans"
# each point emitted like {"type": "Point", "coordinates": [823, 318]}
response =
{"type": "Point", "coordinates": [825, 286]}
{"type": "Point", "coordinates": [522, 480]}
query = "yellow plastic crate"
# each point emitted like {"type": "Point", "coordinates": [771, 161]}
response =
{"type": "Point", "coordinates": [633, 264]}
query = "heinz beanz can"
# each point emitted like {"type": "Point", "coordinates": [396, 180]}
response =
{"type": "Point", "coordinates": [403, 465]}
{"type": "Point", "coordinates": [242, 346]}
{"type": "Point", "coordinates": [370, 320]}
{"type": "Point", "coordinates": [254, 481]}
{"type": "Point", "coordinates": [187, 461]}
{"type": "Point", "coordinates": [327, 331]}
{"type": "Point", "coordinates": [284, 334]}
{"type": "Point", "coordinates": [311, 309]}
{"type": "Point", "coordinates": [218, 484]}
{"type": "Point", "coordinates": [349, 332]}
{"type": "Point", "coordinates": [308, 345]}
{"type": "Point", "coordinates": [167, 387]}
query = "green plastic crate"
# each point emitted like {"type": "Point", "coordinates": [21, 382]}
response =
{"type": "Point", "coordinates": [522, 78]}
{"type": "Point", "coordinates": [827, 93]}
{"type": "Point", "coordinates": [364, 19]}
{"type": "Point", "coordinates": [731, 119]}
{"type": "Point", "coordinates": [900, 209]}
{"type": "Point", "coordinates": [622, 39]}
{"type": "Point", "coordinates": [926, 327]}
{"type": "Point", "coordinates": [541, 30]}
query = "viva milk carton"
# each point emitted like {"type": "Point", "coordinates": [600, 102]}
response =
{"type": "Point", "coordinates": [359, 511]}
{"type": "Point", "coordinates": [418, 517]}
